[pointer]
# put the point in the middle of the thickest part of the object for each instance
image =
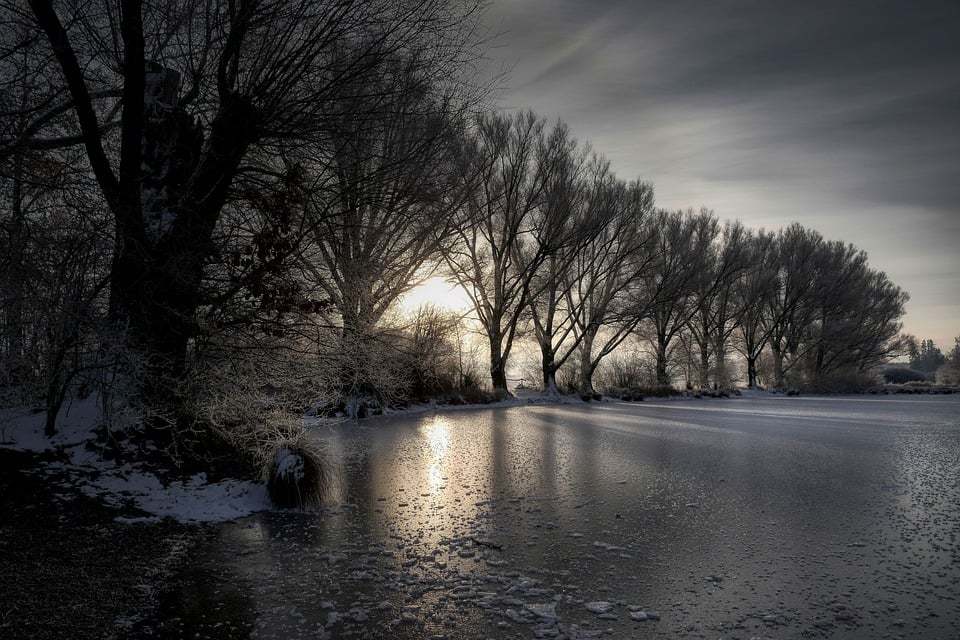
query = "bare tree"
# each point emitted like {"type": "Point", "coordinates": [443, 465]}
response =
{"type": "Point", "coordinates": [855, 316]}
{"type": "Point", "coordinates": [578, 200]}
{"type": "Point", "coordinates": [672, 285]}
{"type": "Point", "coordinates": [717, 311]}
{"type": "Point", "coordinates": [588, 293]}
{"type": "Point", "coordinates": [611, 271]}
{"type": "Point", "coordinates": [496, 257]}
{"type": "Point", "coordinates": [752, 291]}
{"type": "Point", "coordinates": [799, 259]}
{"type": "Point", "coordinates": [386, 196]}
{"type": "Point", "coordinates": [54, 256]}
{"type": "Point", "coordinates": [256, 76]}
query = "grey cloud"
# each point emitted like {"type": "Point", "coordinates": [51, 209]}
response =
{"type": "Point", "coordinates": [845, 114]}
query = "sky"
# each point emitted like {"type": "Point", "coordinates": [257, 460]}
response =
{"type": "Point", "coordinates": [842, 116]}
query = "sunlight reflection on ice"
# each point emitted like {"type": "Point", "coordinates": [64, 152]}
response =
{"type": "Point", "coordinates": [438, 436]}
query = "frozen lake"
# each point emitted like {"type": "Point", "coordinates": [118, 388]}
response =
{"type": "Point", "coordinates": [754, 516]}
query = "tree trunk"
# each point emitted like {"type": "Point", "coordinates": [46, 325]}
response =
{"type": "Point", "coordinates": [587, 366]}
{"type": "Point", "coordinates": [720, 364]}
{"type": "Point", "coordinates": [751, 372]}
{"type": "Point", "coordinates": [704, 365]}
{"type": "Point", "coordinates": [498, 375]}
{"type": "Point", "coordinates": [164, 233]}
{"type": "Point", "coordinates": [549, 368]}
{"type": "Point", "coordinates": [155, 298]}
{"type": "Point", "coordinates": [778, 377]}
{"type": "Point", "coordinates": [663, 379]}
{"type": "Point", "coordinates": [498, 362]}
{"type": "Point", "coordinates": [358, 358]}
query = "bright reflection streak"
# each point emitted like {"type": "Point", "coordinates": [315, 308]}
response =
{"type": "Point", "coordinates": [438, 436]}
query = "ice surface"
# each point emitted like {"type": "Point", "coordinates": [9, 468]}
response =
{"type": "Point", "coordinates": [589, 511]}
{"type": "Point", "coordinates": [600, 606]}
{"type": "Point", "coordinates": [570, 521]}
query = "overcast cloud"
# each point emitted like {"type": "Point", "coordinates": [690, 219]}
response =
{"type": "Point", "coordinates": [844, 116]}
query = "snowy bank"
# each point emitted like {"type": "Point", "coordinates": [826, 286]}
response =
{"type": "Point", "coordinates": [81, 465]}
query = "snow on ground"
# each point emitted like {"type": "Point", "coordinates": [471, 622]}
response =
{"type": "Point", "coordinates": [193, 499]}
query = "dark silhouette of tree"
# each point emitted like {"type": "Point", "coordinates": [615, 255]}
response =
{"type": "Point", "coordinates": [585, 199]}
{"type": "Point", "coordinates": [171, 102]}
{"type": "Point", "coordinates": [672, 286]}
{"type": "Point", "coordinates": [718, 310]}
{"type": "Point", "coordinates": [789, 312]}
{"type": "Point", "coordinates": [607, 272]}
{"type": "Point", "coordinates": [925, 356]}
{"type": "Point", "coordinates": [855, 315]}
{"type": "Point", "coordinates": [509, 164]}
{"type": "Point", "coordinates": [753, 291]}
{"type": "Point", "coordinates": [817, 306]}
{"type": "Point", "coordinates": [386, 199]}
{"type": "Point", "coordinates": [53, 253]}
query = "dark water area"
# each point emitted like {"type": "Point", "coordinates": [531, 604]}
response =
{"type": "Point", "coordinates": [760, 516]}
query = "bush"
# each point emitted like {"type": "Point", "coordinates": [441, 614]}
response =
{"type": "Point", "coordinates": [839, 382]}
{"type": "Point", "coordinates": [627, 395]}
{"type": "Point", "coordinates": [633, 371]}
{"type": "Point", "coordinates": [659, 391]}
{"type": "Point", "coordinates": [296, 476]}
{"type": "Point", "coordinates": [948, 374]}
{"type": "Point", "coordinates": [253, 406]}
{"type": "Point", "coordinates": [902, 375]}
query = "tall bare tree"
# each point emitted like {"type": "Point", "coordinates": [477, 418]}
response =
{"type": "Point", "coordinates": [717, 310]}
{"type": "Point", "coordinates": [171, 101]}
{"type": "Point", "coordinates": [855, 316]}
{"type": "Point", "coordinates": [578, 200]}
{"type": "Point", "coordinates": [497, 257]}
{"type": "Point", "coordinates": [386, 197]}
{"type": "Point", "coordinates": [682, 257]}
{"type": "Point", "coordinates": [53, 253]}
{"type": "Point", "coordinates": [799, 253]}
{"type": "Point", "coordinates": [610, 269]}
{"type": "Point", "coordinates": [752, 292]}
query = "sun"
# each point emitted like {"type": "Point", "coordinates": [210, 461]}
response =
{"type": "Point", "coordinates": [439, 292]}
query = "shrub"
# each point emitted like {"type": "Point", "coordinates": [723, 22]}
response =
{"type": "Point", "coordinates": [253, 407]}
{"type": "Point", "coordinates": [902, 375]}
{"type": "Point", "coordinates": [949, 374]}
{"type": "Point", "coordinates": [296, 476]}
{"type": "Point", "coordinates": [633, 370]}
{"type": "Point", "coordinates": [659, 391]}
{"type": "Point", "coordinates": [839, 382]}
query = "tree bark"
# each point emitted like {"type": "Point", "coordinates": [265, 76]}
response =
{"type": "Point", "coordinates": [751, 372]}
{"type": "Point", "coordinates": [778, 377]}
{"type": "Point", "coordinates": [549, 368]}
{"type": "Point", "coordinates": [720, 364]}
{"type": "Point", "coordinates": [498, 364]}
{"type": "Point", "coordinates": [663, 378]}
{"type": "Point", "coordinates": [587, 365]}
{"type": "Point", "coordinates": [498, 374]}
{"type": "Point", "coordinates": [704, 365]}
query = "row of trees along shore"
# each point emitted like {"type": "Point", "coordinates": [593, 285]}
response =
{"type": "Point", "coordinates": [214, 208]}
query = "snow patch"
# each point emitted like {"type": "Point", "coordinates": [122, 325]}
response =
{"type": "Point", "coordinates": [193, 499]}
{"type": "Point", "coordinates": [288, 464]}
